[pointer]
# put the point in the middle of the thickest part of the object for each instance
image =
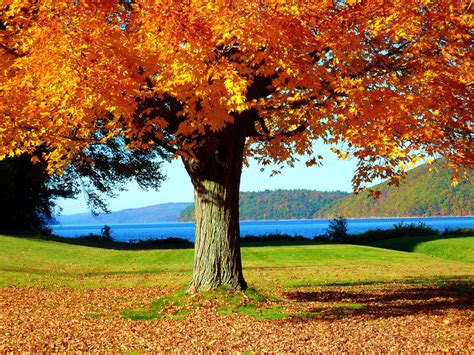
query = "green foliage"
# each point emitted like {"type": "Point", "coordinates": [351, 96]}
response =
{"type": "Point", "coordinates": [104, 168]}
{"type": "Point", "coordinates": [279, 204]}
{"type": "Point", "coordinates": [105, 233]}
{"type": "Point", "coordinates": [421, 193]}
{"type": "Point", "coordinates": [399, 230]}
{"type": "Point", "coordinates": [27, 194]}
{"type": "Point", "coordinates": [104, 237]}
{"type": "Point", "coordinates": [272, 237]}
{"type": "Point", "coordinates": [459, 231]}
{"type": "Point", "coordinates": [337, 230]}
{"type": "Point", "coordinates": [28, 191]}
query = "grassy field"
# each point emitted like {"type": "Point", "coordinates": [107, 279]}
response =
{"type": "Point", "coordinates": [26, 261]}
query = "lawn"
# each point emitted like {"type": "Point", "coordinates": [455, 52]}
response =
{"type": "Point", "coordinates": [39, 262]}
{"type": "Point", "coordinates": [56, 296]}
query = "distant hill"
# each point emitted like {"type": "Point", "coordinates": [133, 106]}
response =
{"type": "Point", "coordinates": [421, 193]}
{"type": "Point", "coordinates": [167, 212]}
{"type": "Point", "coordinates": [279, 204]}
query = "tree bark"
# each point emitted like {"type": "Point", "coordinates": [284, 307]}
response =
{"type": "Point", "coordinates": [215, 173]}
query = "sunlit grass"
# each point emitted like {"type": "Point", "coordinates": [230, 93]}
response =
{"type": "Point", "coordinates": [459, 248]}
{"type": "Point", "coordinates": [26, 262]}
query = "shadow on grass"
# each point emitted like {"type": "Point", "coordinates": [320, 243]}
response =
{"type": "Point", "coordinates": [64, 273]}
{"type": "Point", "coordinates": [94, 242]}
{"type": "Point", "coordinates": [168, 243]}
{"type": "Point", "coordinates": [409, 244]}
{"type": "Point", "coordinates": [387, 302]}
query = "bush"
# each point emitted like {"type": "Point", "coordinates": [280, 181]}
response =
{"type": "Point", "coordinates": [399, 230]}
{"type": "Point", "coordinates": [105, 236]}
{"type": "Point", "coordinates": [337, 230]}
{"type": "Point", "coordinates": [272, 237]}
{"type": "Point", "coordinates": [459, 231]}
{"type": "Point", "coordinates": [157, 242]}
{"type": "Point", "coordinates": [413, 230]}
{"type": "Point", "coordinates": [105, 233]}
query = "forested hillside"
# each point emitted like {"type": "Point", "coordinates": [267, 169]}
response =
{"type": "Point", "coordinates": [166, 212]}
{"type": "Point", "coordinates": [421, 194]}
{"type": "Point", "coordinates": [279, 204]}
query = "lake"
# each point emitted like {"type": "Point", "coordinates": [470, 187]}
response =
{"type": "Point", "coordinates": [306, 228]}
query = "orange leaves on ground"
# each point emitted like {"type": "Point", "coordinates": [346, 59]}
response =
{"type": "Point", "coordinates": [380, 318]}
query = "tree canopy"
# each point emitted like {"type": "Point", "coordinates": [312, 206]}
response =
{"type": "Point", "coordinates": [215, 82]}
{"type": "Point", "coordinates": [385, 81]}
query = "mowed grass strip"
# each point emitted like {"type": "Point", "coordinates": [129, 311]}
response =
{"type": "Point", "coordinates": [26, 262]}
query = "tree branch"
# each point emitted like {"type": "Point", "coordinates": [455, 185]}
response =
{"type": "Point", "coordinates": [169, 148]}
{"type": "Point", "coordinates": [11, 51]}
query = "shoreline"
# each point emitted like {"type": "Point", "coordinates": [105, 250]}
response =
{"type": "Point", "coordinates": [260, 220]}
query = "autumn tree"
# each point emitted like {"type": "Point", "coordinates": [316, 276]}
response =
{"type": "Point", "coordinates": [217, 82]}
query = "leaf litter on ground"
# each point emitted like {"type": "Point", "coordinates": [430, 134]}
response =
{"type": "Point", "coordinates": [379, 317]}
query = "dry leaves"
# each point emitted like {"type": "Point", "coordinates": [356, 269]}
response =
{"type": "Point", "coordinates": [358, 318]}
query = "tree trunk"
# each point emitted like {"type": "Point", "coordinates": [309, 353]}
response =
{"type": "Point", "coordinates": [215, 172]}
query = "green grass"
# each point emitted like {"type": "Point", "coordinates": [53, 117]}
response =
{"type": "Point", "coordinates": [25, 262]}
{"type": "Point", "coordinates": [179, 304]}
{"type": "Point", "coordinates": [460, 248]}
{"type": "Point", "coordinates": [172, 306]}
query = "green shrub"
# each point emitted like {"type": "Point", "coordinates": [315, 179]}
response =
{"type": "Point", "coordinates": [399, 230]}
{"type": "Point", "coordinates": [272, 237]}
{"type": "Point", "coordinates": [459, 231]}
{"type": "Point", "coordinates": [105, 233]}
{"type": "Point", "coordinates": [337, 230]}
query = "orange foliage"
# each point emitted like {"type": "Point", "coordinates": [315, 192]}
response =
{"type": "Point", "coordinates": [389, 82]}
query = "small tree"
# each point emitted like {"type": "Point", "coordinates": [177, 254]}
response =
{"type": "Point", "coordinates": [105, 234]}
{"type": "Point", "coordinates": [337, 230]}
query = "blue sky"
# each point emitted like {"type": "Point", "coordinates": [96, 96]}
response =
{"type": "Point", "coordinates": [335, 174]}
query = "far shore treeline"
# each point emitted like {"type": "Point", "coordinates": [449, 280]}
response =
{"type": "Point", "coordinates": [422, 193]}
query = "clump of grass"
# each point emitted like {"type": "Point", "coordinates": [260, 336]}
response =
{"type": "Point", "coordinates": [349, 306]}
{"type": "Point", "coordinates": [179, 305]}
{"type": "Point", "coordinates": [172, 306]}
{"type": "Point", "coordinates": [256, 311]}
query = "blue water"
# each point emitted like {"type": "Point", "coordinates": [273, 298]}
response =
{"type": "Point", "coordinates": [306, 228]}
